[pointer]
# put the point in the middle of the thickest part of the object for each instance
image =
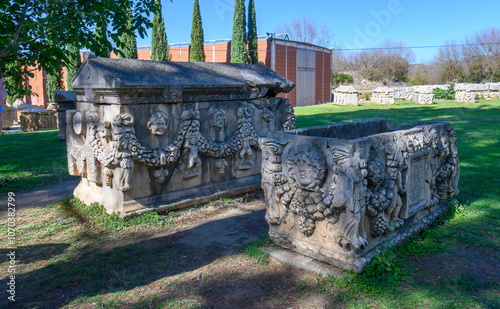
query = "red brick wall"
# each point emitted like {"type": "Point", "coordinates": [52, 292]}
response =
{"type": "Point", "coordinates": [323, 76]}
{"type": "Point", "coordinates": [286, 66]}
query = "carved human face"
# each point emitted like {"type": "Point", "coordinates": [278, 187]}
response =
{"type": "Point", "coordinates": [392, 172]}
{"type": "Point", "coordinates": [304, 172]}
{"type": "Point", "coordinates": [159, 126]}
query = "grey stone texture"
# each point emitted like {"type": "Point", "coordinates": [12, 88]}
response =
{"type": "Point", "coordinates": [465, 93]}
{"type": "Point", "coordinates": [66, 100]}
{"type": "Point", "coordinates": [345, 95]}
{"type": "Point", "coordinates": [154, 136]}
{"type": "Point", "coordinates": [383, 95]}
{"type": "Point", "coordinates": [339, 193]}
{"type": "Point", "coordinates": [37, 119]}
{"type": "Point", "coordinates": [423, 94]}
{"type": "Point", "coordinates": [403, 93]}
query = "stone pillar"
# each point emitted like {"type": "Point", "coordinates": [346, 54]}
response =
{"type": "Point", "coordinates": [9, 115]}
{"type": "Point", "coordinates": [66, 101]}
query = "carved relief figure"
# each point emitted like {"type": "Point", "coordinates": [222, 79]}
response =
{"type": "Point", "coordinates": [158, 123]}
{"type": "Point", "coordinates": [289, 123]}
{"type": "Point", "coordinates": [395, 184]}
{"type": "Point", "coordinates": [221, 165]}
{"type": "Point", "coordinates": [218, 119]}
{"type": "Point", "coordinates": [191, 141]}
{"type": "Point", "coordinates": [123, 135]}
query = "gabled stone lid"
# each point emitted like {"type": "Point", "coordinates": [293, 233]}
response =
{"type": "Point", "coordinates": [348, 89]}
{"type": "Point", "coordinates": [383, 90]}
{"type": "Point", "coordinates": [130, 81]}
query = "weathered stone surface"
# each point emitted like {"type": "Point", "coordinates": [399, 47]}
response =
{"type": "Point", "coordinates": [9, 116]}
{"type": "Point", "coordinates": [383, 95]}
{"type": "Point", "coordinates": [66, 100]}
{"type": "Point", "coordinates": [345, 95]}
{"type": "Point", "coordinates": [465, 93]}
{"type": "Point", "coordinates": [339, 193]}
{"type": "Point", "coordinates": [403, 93]}
{"type": "Point", "coordinates": [154, 136]}
{"type": "Point", "coordinates": [423, 94]}
{"type": "Point", "coordinates": [38, 119]}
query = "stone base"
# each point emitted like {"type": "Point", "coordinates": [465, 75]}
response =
{"type": "Point", "coordinates": [322, 245]}
{"type": "Point", "coordinates": [9, 115]}
{"type": "Point", "coordinates": [120, 201]}
{"type": "Point", "coordinates": [38, 120]}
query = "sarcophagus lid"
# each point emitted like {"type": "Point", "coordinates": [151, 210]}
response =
{"type": "Point", "coordinates": [126, 81]}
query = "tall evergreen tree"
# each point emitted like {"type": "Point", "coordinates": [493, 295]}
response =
{"type": "Point", "coordinates": [239, 39]}
{"type": "Point", "coordinates": [99, 48]}
{"type": "Point", "coordinates": [252, 34]}
{"type": "Point", "coordinates": [159, 42]}
{"type": "Point", "coordinates": [129, 48]}
{"type": "Point", "coordinates": [197, 52]}
{"type": "Point", "coordinates": [54, 83]}
{"type": "Point", "coordinates": [73, 54]}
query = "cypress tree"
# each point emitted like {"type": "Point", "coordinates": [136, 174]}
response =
{"type": "Point", "coordinates": [73, 53]}
{"type": "Point", "coordinates": [129, 41]}
{"type": "Point", "coordinates": [197, 52]}
{"type": "Point", "coordinates": [100, 47]}
{"type": "Point", "coordinates": [252, 33]}
{"type": "Point", "coordinates": [54, 83]}
{"type": "Point", "coordinates": [159, 42]}
{"type": "Point", "coordinates": [239, 39]}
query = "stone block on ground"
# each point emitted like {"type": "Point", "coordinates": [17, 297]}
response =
{"type": "Point", "coordinates": [38, 120]}
{"type": "Point", "coordinates": [383, 95]}
{"type": "Point", "coordinates": [345, 95]}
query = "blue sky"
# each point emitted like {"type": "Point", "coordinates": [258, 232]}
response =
{"type": "Point", "coordinates": [356, 24]}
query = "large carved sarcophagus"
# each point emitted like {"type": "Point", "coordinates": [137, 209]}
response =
{"type": "Point", "coordinates": [153, 136]}
{"type": "Point", "coordinates": [339, 193]}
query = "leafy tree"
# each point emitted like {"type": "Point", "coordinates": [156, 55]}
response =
{"type": "Point", "coordinates": [239, 38]}
{"type": "Point", "coordinates": [54, 83]}
{"type": "Point", "coordinates": [252, 34]}
{"type": "Point", "coordinates": [74, 61]}
{"type": "Point", "coordinates": [100, 46]}
{"type": "Point", "coordinates": [129, 42]}
{"type": "Point", "coordinates": [36, 32]}
{"type": "Point", "coordinates": [197, 52]}
{"type": "Point", "coordinates": [12, 81]}
{"type": "Point", "coordinates": [159, 42]}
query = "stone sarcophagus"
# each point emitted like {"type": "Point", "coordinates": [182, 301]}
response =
{"type": "Point", "coordinates": [383, 95]}
{"type": "Point", "coordinates": [9, 116]}
{"type": "Point", "coordinates": [338, 193]}
{"type": "Point", "coordinates": [154, 136]}
{"type": "Point", "coordinates": [345, 95]}
{"type": "Point", "coordinates": [37, 119]}
{"type": "Point", "coordinates": [423, 94]}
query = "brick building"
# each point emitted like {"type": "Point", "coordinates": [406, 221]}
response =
{"type": "Point", "coordinates": [307, 65]}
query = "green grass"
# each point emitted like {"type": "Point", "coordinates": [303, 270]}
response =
{"type": "Point", "coordinates": [30, 160]}
{"type": "Point", "coordinates": [106, 260]}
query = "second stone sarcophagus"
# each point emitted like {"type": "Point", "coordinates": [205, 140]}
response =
{"type": "Point", "coordinates": [153, 136]}
{"type": "Point", "coordinates": [338, 193]}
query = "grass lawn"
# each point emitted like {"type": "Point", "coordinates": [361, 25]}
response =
{"type": "Point", "coordinates": [75, 256]}
{"type": "Point", "coordinates": [30, 160]}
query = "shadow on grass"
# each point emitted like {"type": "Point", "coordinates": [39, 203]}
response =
{"type": "Point", "coordinates": [94, 271]}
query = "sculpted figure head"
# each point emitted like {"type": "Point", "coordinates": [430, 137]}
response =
{"type": "Point", "coordinates": [306, 165]}
{"type": "Point", "coordinates": [218, 119]}
{"type": "Point", "coordinates": [158, 123]}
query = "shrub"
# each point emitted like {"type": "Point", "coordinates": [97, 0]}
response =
{"type": "Point", "coordinates": [442, 94]}
{"type": "Point", "coordinates": [339, 78]}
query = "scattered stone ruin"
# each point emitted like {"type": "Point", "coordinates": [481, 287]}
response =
{"type": "Point", "coordinates": [37, 119]}
{"type": "Point", "coordinates": [383, 95]}
{"type": "Point", "coordinates": [154, 136]}
{"type": "Point", "coordinates": [423, 94]}
{"type": "Point", "coordinates": [465, 93]}
{"type": "Point", "coordinates": [339, 193]}
{"type": "Point", "coordinates": [405, 93]}
{"type": "Point", "coordinates": [345, 95]}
